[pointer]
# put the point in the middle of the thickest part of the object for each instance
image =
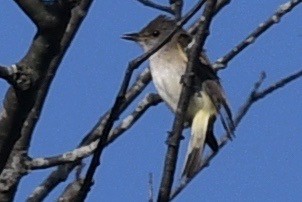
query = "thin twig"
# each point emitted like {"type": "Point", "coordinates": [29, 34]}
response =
{"type": "Point", "coordinates": [156, 6]}
{"type": "Point", "coordinates": [95, 162]}
{"type": "Point", "coordinates": [222, 62]}
{"type": "Point", "coordinates": [277, 85]}
{"type": "Point", "coordinates": [219, 6]}
{"type": "Point", "coordinates": [176, 7]}
{"type": "Point", "coordinates": [151, 190]}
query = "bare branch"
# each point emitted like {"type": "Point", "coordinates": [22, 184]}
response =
{"type": "Point", "coordinates": [176, 6]}
{"type": "Point", "coordinates": [70, 192]}
{"type": "Point", "coordinates": [151, 4]}
{"type": "Point", "coordinates": [68, 157]}
{"type": "Point", "coordinates": [43, 15]}
{"type": "Point", "coordinates": [84, 151]}
{"type": "Point", "coordinates": [277, 85]}
{"type": "Point", "coordinates": [151, 190]}
{"type": "Point", "coordinates": [222, 62]}
{"type": "Point", "coordinates": [253, 97]}
{"type": "Point", "coordinates": [219, 6]}
{"type": "Point", "coordinates": [4, 73]}
{"type": "Point", "coordinates": [34, 9]}
{"type": "Point", "coordinates": [149, 101]}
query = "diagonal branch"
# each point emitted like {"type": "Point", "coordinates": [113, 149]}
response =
{"type": "Point", "coordinates": [45, 15]}
{"type": "Point", "coordinates": [277, 85]}
{"type": "Point", "coordinates": [4, 73]}
{"type": "Point", "coordinates": [176, 6]}
{"type": "Point", "coordinates": [30, 7]}
{"type": "Point", "coordinates": [219, 6]}
{"type": "Point", "coordinates": [85, 151]}
{"type": "Point", "coordinates": [151, 4]}
{"type": "Point", "coordinates": [222, 62]}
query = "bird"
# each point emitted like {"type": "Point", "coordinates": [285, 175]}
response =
{"type": "Point", "coordinates": [167, 67]}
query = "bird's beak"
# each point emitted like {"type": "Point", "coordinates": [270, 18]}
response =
{"type": "Point", "coordinates": [131, 37]}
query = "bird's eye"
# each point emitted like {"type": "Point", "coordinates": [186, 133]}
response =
{"type": "Point", "coordinates": [155, 33]}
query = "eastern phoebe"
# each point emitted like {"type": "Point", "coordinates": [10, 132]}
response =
{"type": "Point", "coordinates": [167, 66]}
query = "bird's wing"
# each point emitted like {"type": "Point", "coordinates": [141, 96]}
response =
{"type": "Point", "coordinates": [206, 72]}
{"type": "Point", "coordinates": [206, 75]}
{"type": "Point", "coordinates": [217, 95]}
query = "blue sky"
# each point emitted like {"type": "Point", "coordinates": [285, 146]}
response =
{"type": "Point", "coordinates": [262, 164]}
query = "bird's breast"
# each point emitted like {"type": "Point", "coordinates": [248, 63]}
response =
{"type": "Point", "coordinates": [166, 73]}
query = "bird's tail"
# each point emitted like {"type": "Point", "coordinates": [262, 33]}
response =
{"type": "Point", "coordinates": [202, 125]}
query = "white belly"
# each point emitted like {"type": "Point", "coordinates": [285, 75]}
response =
{"type": "Point", "coordinates": [167, 82]}
{"type": "Point", "coordinates": [167, 79]}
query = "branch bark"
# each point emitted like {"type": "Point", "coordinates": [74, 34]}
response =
{"type": "Point", "coordinates": [84, 151]}
{"type": "Point", "coordinates": [156, 6]}
{"type": "Point", "coordinates": [18, 103]}
{"type": "Point", "coordinates": [22, 107]}
{"type": "Point", "coordinates": [222, 62]}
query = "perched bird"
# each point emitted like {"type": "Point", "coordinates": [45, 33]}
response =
{"type": "Point", "coordinates": [167, 66]}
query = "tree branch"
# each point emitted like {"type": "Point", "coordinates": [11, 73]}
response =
{"type": "Point", "coordinates": [84, 151]}
{"type": "Point", "coordinates": [151, 4]}
{"type": "Point", "coordinates": [277, 85]}
{"type": "Point", "coordinates": [45, 16]}
{"type": "Point", "coordinates": [22, 107]}
{"type": "Point", "coordinates": [176, 7]}
{"type": "Point", "coordinates": [35, 10]}
{"type": "Point", "coordinates": [222, 62]}
{"type": "Point", "coordinates": [4, 73]}
{"type": "Point", "coordinates": [219, 6]}
{"type": "Point", "coordinates": [151, 189]}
